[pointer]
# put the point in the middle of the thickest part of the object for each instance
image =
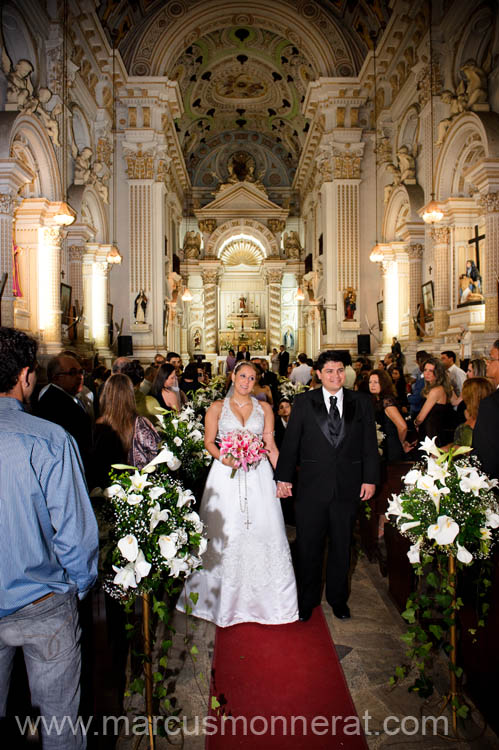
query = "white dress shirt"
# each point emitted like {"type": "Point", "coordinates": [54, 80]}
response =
{"type": "Point", "coordinates": [339, 399]}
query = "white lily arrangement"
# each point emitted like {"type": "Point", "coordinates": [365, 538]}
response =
{"type": "Point", "coordinates": [158, 537]}
{"type": "Point", "coordinates": [183, 434]}
{"type": "Point", "coordinates": [448, 505]}
{"type": "Point", "coordinates": [204, 397]}
{"type": "Point", "coordinates": [287, 389]}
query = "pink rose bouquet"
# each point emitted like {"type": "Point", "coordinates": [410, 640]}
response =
{"type": "Point", "coordinates": [246, 448]}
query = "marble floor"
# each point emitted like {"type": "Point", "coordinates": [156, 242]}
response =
{"type": "Point", "coordinates": [369, 648]}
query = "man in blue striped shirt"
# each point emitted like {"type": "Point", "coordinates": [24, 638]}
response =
{"type": "Point", "coordinates": [48, 551]}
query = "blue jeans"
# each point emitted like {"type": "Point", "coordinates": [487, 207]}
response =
{"type": "Point", "coordinates": [49, 635]}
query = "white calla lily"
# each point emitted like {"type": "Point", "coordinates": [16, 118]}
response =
{"type": "Point", "coordinates": [485, 534]}
{"type": "Point", "coordinates": [128, 547]}
{"type": "Point", "coordinates": [436, 470]}
{"type": "Point", "coordinates": [444, 531]}
{"type": "Point", "coordinates": [463, 555]}
{"type": "Point", "coordinates": [178, 441]}
{"type": "Point", "coordinates": [202, 545]}
{"type": "Point", "coordinates": [168, 545]}
{"type": "Point", "coordinates": [165, 456]}
{"type": "Point", "coordinates": [185, 497]}
{"type": "Point", "coordinates": [196, 435]}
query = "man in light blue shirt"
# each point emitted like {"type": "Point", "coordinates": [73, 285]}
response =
{"type": "Point", "coordinates": [49, 549]}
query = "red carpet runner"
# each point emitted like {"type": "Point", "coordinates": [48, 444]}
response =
{"type": "Point", "coordinates": [262, 672]}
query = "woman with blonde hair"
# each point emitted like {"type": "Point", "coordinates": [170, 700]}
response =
{"type": "Point", "coordinates": [437, 418]}
{"type": "Point", "coordinates": [473, 391]}
{"type": "Point", "coordinates": [120, 434]}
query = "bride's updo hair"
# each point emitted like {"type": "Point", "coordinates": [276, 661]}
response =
{"type": "Point", "coordinates": [245, 363]}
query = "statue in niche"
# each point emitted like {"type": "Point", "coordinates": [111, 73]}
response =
{"type": "Point", "coordinates": [140, 307]}
{"type": "Point", "coordinates": [470, 284]}
{"type": "Point", "coordinates": [291, 243]}
{"type": "Point", "coordinates": [350, 303]}
{"type": "Point", "coordinates": [196, 339]}
{"type": "Point", "coordinates": [192, 244]}
{"type": "Point", "coordinates": [407, 165]}
{"type": "Point", "coordinates": [397, 179]}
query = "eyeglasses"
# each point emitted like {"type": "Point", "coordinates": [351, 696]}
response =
{"type": "Point", "coordinates": [73, 372]}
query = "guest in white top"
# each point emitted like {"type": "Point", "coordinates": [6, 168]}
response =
{"type": "Point", "coordinates": [456, 375]}
{"type": "Point", "coordinates": [303, 372]}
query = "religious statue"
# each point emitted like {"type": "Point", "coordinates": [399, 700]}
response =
{"type": "Point", "coordinates": [457, 105]}
{"type": "Point", "coordinates": [407, 165]}
{"type": "Point", "coordinates": [197, 339]}
{"type": "Point", "coordinates": [291, 242]}
{"type": "Point", "coordinates": [471, 284]}
{"type": "Point", "coordinates": [349, 302]}
{"type": "Point", "coordinates": [140, 307]}
{"type": "Point", "coordinates": [242, 304]}
{"type": "Point", "coordinates": [397, 179]}
{"type": "Point", "coordinates": [241, 168]}
{"type": "Point", "coordinates": [83, 170]}
{"type": "Point", "coordinates": [192, 244]}
{"type": "Point", "coordinates": [477, 92]}
{"type": "Point", "coordinates": [18, 77]}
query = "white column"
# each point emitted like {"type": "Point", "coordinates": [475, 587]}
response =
{"type": "Point", "coordinates": [274, 279]}
{"type": "Point", "coordinates": [440, 236]}
{"type": "Point", "coordinates": [8, 203]}
{"type": "Point", "coordinates": [95, 290]}
{"type": "Point", "coordinates": [390, 298]}
{"type": "Point", "coordinates": [415, 253]}
{"type": "Point", "coordinates": [49, 287]}
{"type": "Point", "coordinates": [490, 269]}
{"type": "Point", "coordinates": [329, 265]}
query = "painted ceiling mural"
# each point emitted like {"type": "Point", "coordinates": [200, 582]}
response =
{"type": "Point", "coordinates": [242, 85]}
{"type": "Point", "coordinates": [242, 89]}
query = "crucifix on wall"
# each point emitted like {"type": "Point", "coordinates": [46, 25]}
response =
{"type": "Point", "coordinates": [471, 281]}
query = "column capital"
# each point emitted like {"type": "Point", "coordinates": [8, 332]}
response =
{"type": "Point", "coordinates": [274, 276]}
{"type": "Point", "coordinates": [440, 235]}
{"type": "Point", "coordinates": [415, 251]}
{"type": "Point", "coordinates": [209, 276]}
{"type": "Point", "coordinates": [489, 202]}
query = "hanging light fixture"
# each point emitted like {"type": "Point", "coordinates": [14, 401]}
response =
{"type": "Point", "coordinates": [376, 254]}
{"type": "Point", "coordinates": [432, 212]}
{"type": "Point", "coordinates": [114, 255]}
{"type": "Point", "coordinates": [186, 294]}
{"type": "Point", "coordinates": [65, 215]}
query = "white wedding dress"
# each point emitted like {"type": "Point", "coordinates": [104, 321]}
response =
{"type": "Point", "coordinates": [247, 574]}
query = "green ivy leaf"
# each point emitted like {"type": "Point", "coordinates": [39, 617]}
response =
{"type": "Point", "coordinates": [137, 686]}
{"type": "Point", "coordinates": [214, 703]}
{"type": "Point", "coordinates": [194, 650]}
{"type": "Point", "coordinates": [436, 630]}
{"type": "Point", "coordinates": [409, 615]}
{"type": "Point", "coordinates": [194, 596]}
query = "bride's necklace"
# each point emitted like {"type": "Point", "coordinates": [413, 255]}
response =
{"type": "Point", "coordinates": [241, 405]}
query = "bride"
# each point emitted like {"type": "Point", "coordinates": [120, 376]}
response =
{"type": "Point", "coordinates": [247, 574]}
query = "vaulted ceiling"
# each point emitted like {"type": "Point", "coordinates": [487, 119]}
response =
{"type": "Point", "coordinates": [243, 71]}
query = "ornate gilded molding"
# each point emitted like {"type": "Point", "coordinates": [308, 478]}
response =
{"type": "Point", "coordinates": [489, 202]}
{"type": "Point", "coordinates": [140, 165]}
{"type": "Point", "coordinates": [415, 251]}
{"type": "Point", "coordinates": [276, 225]}
{"type": "Point", "coordinates": [440, 235]}
{"type": "Point", "coordinates": [209, 277]}
{"type": "Point", "coordinates": [8, 203]}
{"type": "Point", "coordinates": [274, 277]}
{"type": "Point", "coordinates": [207, 226]}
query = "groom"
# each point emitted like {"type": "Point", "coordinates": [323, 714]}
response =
{"type": "Point", "coordinates": [331, 435]}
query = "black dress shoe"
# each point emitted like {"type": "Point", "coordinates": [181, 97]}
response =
{"type": "Point", "coordinates": [304, 615]}
{"type": "Point", "coordinates": [341, 611]}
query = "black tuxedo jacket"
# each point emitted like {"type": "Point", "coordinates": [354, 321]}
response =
{"type": "Point", "coordinates": [58, 406]}
{"type": "Point", "coordinates": [328, 471]}
{"type": "Point", "coordinates": [283, 362]}
{"type": "Point", "coordinates": [486, 434]}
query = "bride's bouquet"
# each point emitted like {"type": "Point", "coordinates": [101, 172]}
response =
{"type": "Point", "coordinates": [246, 448]}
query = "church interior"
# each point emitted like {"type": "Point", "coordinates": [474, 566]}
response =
{"type": "Point", "coordinates": [333, 163]}
{"type": "Point", "coordinates": [197, 176]}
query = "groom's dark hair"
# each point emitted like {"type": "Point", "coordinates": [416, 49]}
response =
{"type": "Point", "coordinates": [329, 356]}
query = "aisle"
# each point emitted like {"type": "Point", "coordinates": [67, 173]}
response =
{"type": "Point", "coordinates": [281, 687]}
